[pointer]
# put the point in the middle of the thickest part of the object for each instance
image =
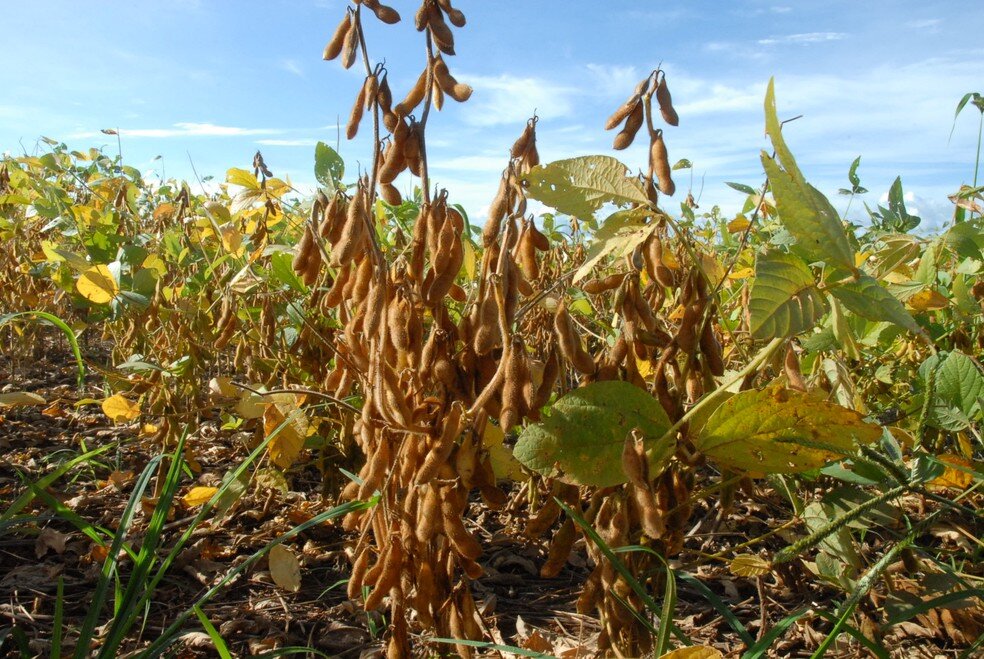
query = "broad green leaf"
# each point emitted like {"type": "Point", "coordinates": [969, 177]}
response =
{"type": "Point", "coordinates": [804, 211]}
{"type": "Point", "coordinates": [618, 235]}
{"type": "Point", "coordinates": [958, 391]}
{"type": "Point", "coordinates": [329, 168]}
{"type": "Point", "coordinates": [98, 285]}
{"type": "Point", "coordinates": [868, 299]}
{"type": "Point", "coordinates": [581, 440]}
{"type": "Point", "coordinates": [580, 186]}
{"type": "Point", "coordinates": [282, 271]}
{"type": "Point", "coordinates": [780, 431]}
{"type": "Point", "coordinates": [784, 300]}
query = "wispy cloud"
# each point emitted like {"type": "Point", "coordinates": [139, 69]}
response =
{"type": "Point", "coordinates": [508, 99]}
{"type": "Point", "coordinates": [803, 38]}
{"type": "Point", "coordinates": [292, 66]}
{"type": "Point", "coordinates": [926, 24]}
{"type": "Point", "coordinates": [297, 142]}
{"type": "Point", "coordinates": [186, 129]}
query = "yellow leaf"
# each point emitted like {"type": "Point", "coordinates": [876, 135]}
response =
{"type": "Point", "coordinates": [119, 409]}
{"type": "Point", "coordinates": [712, 268]}
{"type": "Point", "coordinates": [199, 496]}
{"type": "Point", "coordinates": [155, 263]}
{"type": "Point", "coordinates": [285, 569]}
{"type": "Point", "coordinates": [694, 652]}
{"type": "Point", "coordinates": [952, 477]}
{"type": "Point", "coordinates": [290, 425]}
{"type": "Point", "coordinates": [504, 464]}
{"type": "Point", "coordinates": [860, 258]}
{"type": "Point", "coordinates": [222, 386]}
{"type": "Point", "coordinates": [927, 300]}
{"type": "Point", "coordinates": [670, 260]}
{"type": "Point", "coordinates": [17, 398]}
{"type": "Point", "coordinates": [741, 273]}
{"type": "Point", "coordinates": [98, 285]}
{"type": "Point", "coordinates": [749, 565]}
{"type": "Point", "coordinates": [470, 258]}
{"type": "Point", "coordinates": [645, 367]}
{"type": "Point", "coordinates": [738, 224]}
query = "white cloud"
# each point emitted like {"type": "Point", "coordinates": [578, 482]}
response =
{"type": "Point", "coordinates": [185, 129]}
{"type": "Point", "coordinates": [297, 142]}
{"type": "Point", "coordinates": [471, 163]}
{"type": "Point", "coordinates": [803, 38]}
{"type": "Point", "coordinates": [929, 23]}
{"type": "Point", "coordinates": [613, 80]}
{"type": "Point", "coordinates": [292, 66]}
{"type": "Point", "coordinates": [509, 99]}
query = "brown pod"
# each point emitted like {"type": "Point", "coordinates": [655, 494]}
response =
{"type": "Point", "coordinates": [393, 162]}
{"type": "Point", "coordinates": [659, 162]}
{"type": "Point", "coordinates": [497, 211]}
{"type": "Point", "coordinates": [460, 92]}
{"type": "Point", "coordinates": [389, 576]}
{"type": "Point", "coordinates": [353, 233]}
{"type": "Point", "coordinates": [335, 295]}
{"type": "Point", "coordinates": [357, 579]}
{"type": "Point", "coordinates": [304, 250]}
{"type": "Point", "coordinates": [635, 464]}
{"type": "Point", "coordinates": [686, 336]}
{"type": "Point", "coordinates": [551, 369]}
{"type": "Point", "coordinates": [666, 103]}
{"type": "Point", "coordinates": [540, 241]}
{"type": "Point", "coordinates": [527, 256]}
{"type": "Point", "coordinates": [632, 125]}
{"type": "Point", "coordinates": [524, 141]}
{"type": "Point", "coordinates": [463, 542]}
{"type": "Point", "coordinates": [384, 96]}
{"type": "Point", "coordinates": [412, 149]}
{"type": "Point", "coordinates": [570, 342]}
{"type": "Point", "coordinates": [544, 518]}
{"type": "Point", "coordinates": [413, 97]}
{"type": "Point", "coordinates": [310, 274]}
{"type": "Point", "coordinates": [517, 376]}
{"type": "Point", "coordinates": [441, 448]}
{"type": "Point", "coordinates": [338, 38]}
{"type": "Point", "coordinates": [791, 366]}
{"type": "Point", "coordinates": [596, 286]}
{"type": "Point", "coordinates": [390, 194]}
{"type": "Point", "coordinates": [456, 17]}
{"type": "Point", "coordinates": [441, 32]}
{"type": "Point", "coordinates": [350, 46]}
{"type": "Point", "coordinates": [622, 112]}
{"type": "Point", "coordinates": [560, 550]}
{"type": "Point", "coordinates": [386, 14]}
{"type": "Point", "coordinates": [710, 347]}
{"type": "Point", "coordinates": [352, 128]}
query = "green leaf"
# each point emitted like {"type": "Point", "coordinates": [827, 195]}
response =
{"type": "Point", "coordinates": [581, 441]}
{"type": "Point", "coordinates": [868, 299]}
{"type": "Point", "coordinates": [958, 391]}
{"type": "Point", "coordinates": [580, 186]}
{"type": "Point", "coordinates": [329, 168]}
{"type": "Point", "coordinates": [804, 211]}
{"type": "Point", "coordinates": [283, 272]}
{"type": "Point", "coordinates": [741, 187]}
{"type": "Point", "coordinates": [780, 431]}
{"type": "Point", "coordinates": [784, 300]}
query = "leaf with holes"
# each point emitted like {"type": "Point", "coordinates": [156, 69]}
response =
{"type": "Point", "coordinates": [581, 440]}
{"type": "Point", "coordinates": [784, 300]}
{"type": "Point", "coordinates": [781, 431]}
{"type": "Point", "coordinates": [580, 186]}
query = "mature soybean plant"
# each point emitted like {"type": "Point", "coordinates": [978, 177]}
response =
{"type": "Point", "coordinates": [641, 391]}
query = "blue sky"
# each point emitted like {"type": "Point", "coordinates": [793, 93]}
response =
{"type": "Point", "coordinates": [210, 81]}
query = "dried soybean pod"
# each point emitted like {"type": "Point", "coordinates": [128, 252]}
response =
{"type": "Point", "coordinates": [353, 233]}
{"type": "Point", "coordinates": [304, 249]}
{"type": "Point", "coordinates": [551, 369]}
{"type": "Point", "coordinates": [394, 161]}
{"type": "Point", "coordinates": [335, 296]}
{"type": "Point", "coordinates": [352, 128]}
{"type": "Point", "coordinates": [390, 574]}
{"type": "Point", "coordinates": [517, 375]}
{"type": "Point", "coordinates": [686, 336]}
{"type": "Point", "coordinates": [497, 211]}
{"type": "Point", "coordinates": [441, 449]}
{"type": "Point", "coordinates": [459, 91]}
{"type": "Point", "coordinates": [560, 550]}
{"type": "Point", "coordinates": [634, 461]}
{"type": "Point", "coordinates": [338, 38]}
{"type": "Point", "coordinates": [622, 112]}
{"type": "Point", "coordinates": [390, 194]}
{"type": "Point", "coordinates": [384, 95]}
{"type": "Point", "coordinates": [666, 103]}
{"type": "Point", "coordinates": [522, 143]}
{"type": "Point", "coordinates": [310, 275]}
{"type": "Point", "coordinates": [350, 45]}
{"type": "Point", "coordinates": [628, 132]}
{"type": "Point", "coordinates": [713, 355]}
{"type": "Point", "coordinates": [570, 343]}
{"type": "Point", "coordinates": [596, 286]}
{"type": "Point", "coordinates": [384, 13]}
{"type": "Point", "coordinates": [660, 163]}
{"type": "Point", "coordinates": [791, 366]}
{"type": "Point", "coordinates": [440, 31]}
{"type": "Point", "coordinates": [544, 518]}
{"type": "Point", "coordinates": [358, 574]}
{"type": "Point", "coordinates": [463, 542]}
{"type": "Point", "coordinates": [540, 241]}
{"type": "Point", "coordinates": [413, 97]}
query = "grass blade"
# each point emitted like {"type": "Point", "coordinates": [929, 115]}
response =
{"type": "Point", "coordinates": [720, 606]}
{"type": "Point", "coordinates": [66, 330]}
{"type": "Point", "coordinates": [213, 633]}
{"type": "Point", "coordinates": [762, 646]}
